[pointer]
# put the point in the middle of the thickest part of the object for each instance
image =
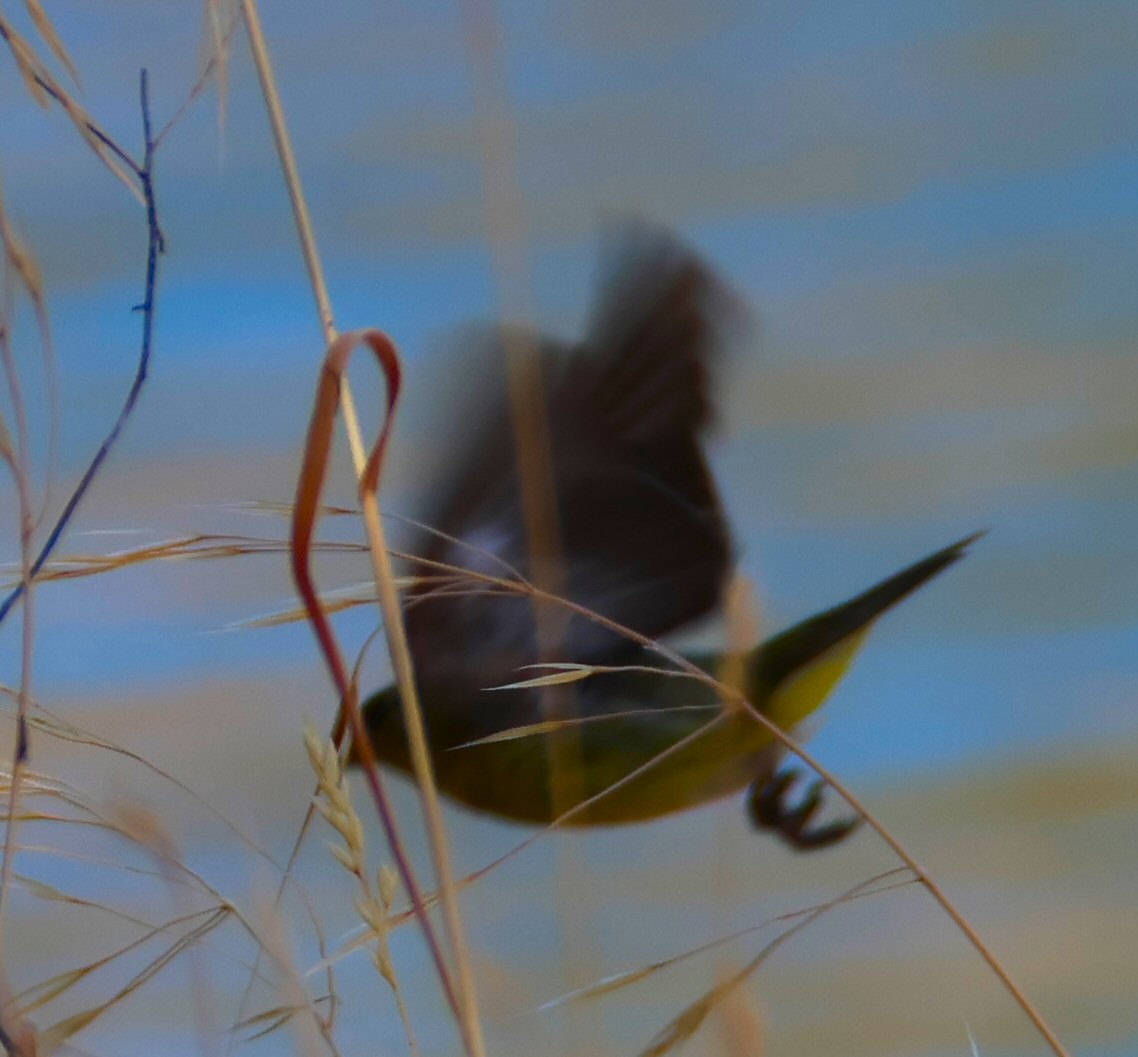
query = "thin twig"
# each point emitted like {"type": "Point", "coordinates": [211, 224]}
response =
{"type": "Point", "coordinates": [18, 460]}
{"type": "Point", "coordinates": [214, 67]}
{"type": "Point", "coordinates": [155, 246]}
{"type": "Point", "coordinates": [40, 78]}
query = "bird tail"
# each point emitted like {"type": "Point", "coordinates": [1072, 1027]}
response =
{"type": "Point", "coordinates": [796, 670]}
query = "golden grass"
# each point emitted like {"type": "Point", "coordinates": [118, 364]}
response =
{"type": "Point", "coordinates": [50, 803]}
{"type": "Point", "coordinates": [376, 898]}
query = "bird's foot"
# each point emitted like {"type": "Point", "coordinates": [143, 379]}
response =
{"type": "Point", "coordinates": [769, 807]}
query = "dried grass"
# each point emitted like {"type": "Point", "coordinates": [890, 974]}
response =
{"type": "Point", "coordinates": [51, 804]}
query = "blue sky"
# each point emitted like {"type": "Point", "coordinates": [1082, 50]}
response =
{"type": "Point", "coordinates": [932, 209]}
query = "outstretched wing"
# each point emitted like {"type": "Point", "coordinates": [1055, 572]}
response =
{"type": "Point", "coordinates": [643, 539]}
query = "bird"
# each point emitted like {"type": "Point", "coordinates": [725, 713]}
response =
{"type": "Point", "coordinates": [643, 544]}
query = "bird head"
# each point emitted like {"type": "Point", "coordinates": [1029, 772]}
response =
{"type": "Point", "coordinates": [382, 714]}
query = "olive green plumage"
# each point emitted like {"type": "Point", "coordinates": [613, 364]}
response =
{"type": "Point", "coordinates": [643, 542]}
{"type": "Point", "coordinates": [787, 678]}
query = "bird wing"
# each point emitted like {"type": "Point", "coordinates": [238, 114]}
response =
{"type": "Point", "coordinates": [643, 539]}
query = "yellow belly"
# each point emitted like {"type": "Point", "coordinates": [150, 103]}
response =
{"type": "Point", "coordinates": [609, 763]}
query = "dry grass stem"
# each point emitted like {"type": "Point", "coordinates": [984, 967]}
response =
{"type": "Point", "coordinates": [44, 87]}
{"type": "Point", "coordinates": [467, 1010]}
{"type": "Point", "coordinates": [730, 694]}
{"type": "Point", "coordinates": [374, 901]}
{"type": "Point", "coordinates": [628, 977]}
{"type": "Point", "coordinates": [32, 799]}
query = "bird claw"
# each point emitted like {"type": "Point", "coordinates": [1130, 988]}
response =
{"type": "Point", "coordinates": [768, 806]}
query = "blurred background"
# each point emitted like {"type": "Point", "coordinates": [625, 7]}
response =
{"type": "Point", "coordinates": [932, 210]}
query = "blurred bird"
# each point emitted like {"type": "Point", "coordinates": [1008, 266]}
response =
{"type": "Point", "coordinates": [643, 543]}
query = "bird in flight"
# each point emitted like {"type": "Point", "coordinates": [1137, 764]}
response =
{"type": "Point", "coordinates": [642, 542]}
